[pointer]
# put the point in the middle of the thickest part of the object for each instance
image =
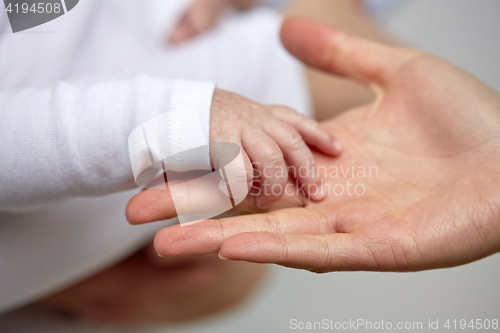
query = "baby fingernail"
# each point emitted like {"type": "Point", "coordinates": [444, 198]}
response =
{"type": "Point", "coordinates": [337, 145]}
{"type": "Point", "coordinates": [320, 193]}
{"type": "Point", "coordinates": [261, 202]}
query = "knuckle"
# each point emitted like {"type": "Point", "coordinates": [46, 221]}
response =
{"type": "Point", "coordinates": [295, 142]}
{"type": "Point", "coordinates": [281, 110]}
{"type": "Point", "coordinates": [289, 110]}
{"type": "Point", "coordinates": [274, 159]}
{"type": "Point", "coordinates": [318, 133]}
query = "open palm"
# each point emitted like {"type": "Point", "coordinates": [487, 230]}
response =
{"type": "Point", "coordinates": [426, 159]}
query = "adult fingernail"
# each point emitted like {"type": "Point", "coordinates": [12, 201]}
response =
{"type": "Point", "coordinates": [323, 190]}
{"type": "Point", "coordinates": [222, 257]}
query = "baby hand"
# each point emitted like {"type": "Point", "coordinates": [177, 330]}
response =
{"type": "Point", "coordinates": [269, 136]}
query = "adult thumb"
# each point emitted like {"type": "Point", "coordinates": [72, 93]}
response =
{"type": "Point", "coordinates": [337, 52]}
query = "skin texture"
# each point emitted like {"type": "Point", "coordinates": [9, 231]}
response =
{"type": "Point", "coordinates": [270, 137]}
{"type": "Point", "coordinates": [147, 288]}
{"type": "Point", "coordinates": [433, 133]}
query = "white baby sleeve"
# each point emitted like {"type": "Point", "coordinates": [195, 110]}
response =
{"type": "Point", "coordinates": [72, 139]}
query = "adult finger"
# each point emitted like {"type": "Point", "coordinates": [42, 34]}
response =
{"type": "Point", "coordinates": [207, 236]}
{"type": "Point", "coordinates": [337, 52]}
{"type": "Point", "coordinates": [317, 253]}
{"type": "Point", "coordinates": [150, 205]}
{"type": "Point", "coordinates": [199, 196]}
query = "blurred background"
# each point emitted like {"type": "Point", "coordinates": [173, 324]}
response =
{"type": "Point", "coordinates": [464, 32]}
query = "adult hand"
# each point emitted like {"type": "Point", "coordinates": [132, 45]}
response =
{"type": "Point", "coordinates": [433, 134]}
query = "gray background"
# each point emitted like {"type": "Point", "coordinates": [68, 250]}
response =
{"type": "Point", "coordinates": [465, 32]}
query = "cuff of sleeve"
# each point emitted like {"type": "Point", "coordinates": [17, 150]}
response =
{"type": "Point", "coordinates": [175, 131]}
{"type": "Point", "coordinates": [190, 106]}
